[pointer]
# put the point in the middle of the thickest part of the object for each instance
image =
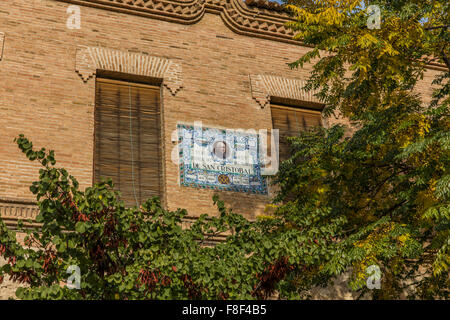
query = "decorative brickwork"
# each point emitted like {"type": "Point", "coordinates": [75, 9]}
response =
{"type": "Point", "coordinates": [2, 44]}
{"type": "Point", "coordinates": [91, 59]}
{"type": "Point", "coordinates": [237, 15]}
{"type": "Point", "coordinates": [265, 86]}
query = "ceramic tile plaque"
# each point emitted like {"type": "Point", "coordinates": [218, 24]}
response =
{"type": "Point", "coordinates": [220, 159]}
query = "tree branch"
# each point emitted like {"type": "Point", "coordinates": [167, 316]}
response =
{"type": "Point", "coordinates": [446, 59]}
{"type": "Point", "coordinates": [438, 27]}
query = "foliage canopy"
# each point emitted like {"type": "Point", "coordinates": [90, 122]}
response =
{"type": "Point", "coordinates": [386, 186]}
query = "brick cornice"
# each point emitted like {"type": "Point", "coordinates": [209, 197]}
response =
{"type": "Point", "coordinates": [238, 16]}
{"type": "Point", "coordinates": [91, 59]}
{"type": "Point", "coordinates": [265, 86]}
{"type": "Point", "coordinates": [2, 44]}
{"type": "Point", "coordinates": [250, 20]}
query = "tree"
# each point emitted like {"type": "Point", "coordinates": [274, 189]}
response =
{"type": "Point", "coordinates": [384, 191]}
{"type": "Point", "coordinates": [141, 253]}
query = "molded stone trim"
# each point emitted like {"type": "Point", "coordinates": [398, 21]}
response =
{"type": "Point", "coordinates": [91, 59]}
{"type": "Point", "coordinates": [265, 86]}
{"type": "Point", "coordinates": [14, 209]}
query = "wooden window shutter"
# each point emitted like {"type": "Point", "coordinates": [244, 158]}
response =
{"type": "Point", "coordinates": [128, 149]}
{"type": "Point", "coordinates": [290, 121]}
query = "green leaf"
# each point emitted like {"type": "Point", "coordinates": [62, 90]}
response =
{"type": "Point", "coordinates": [80, 227]}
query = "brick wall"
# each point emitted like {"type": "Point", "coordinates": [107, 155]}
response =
{"type": "Point", "coordinates": [42, 95]}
